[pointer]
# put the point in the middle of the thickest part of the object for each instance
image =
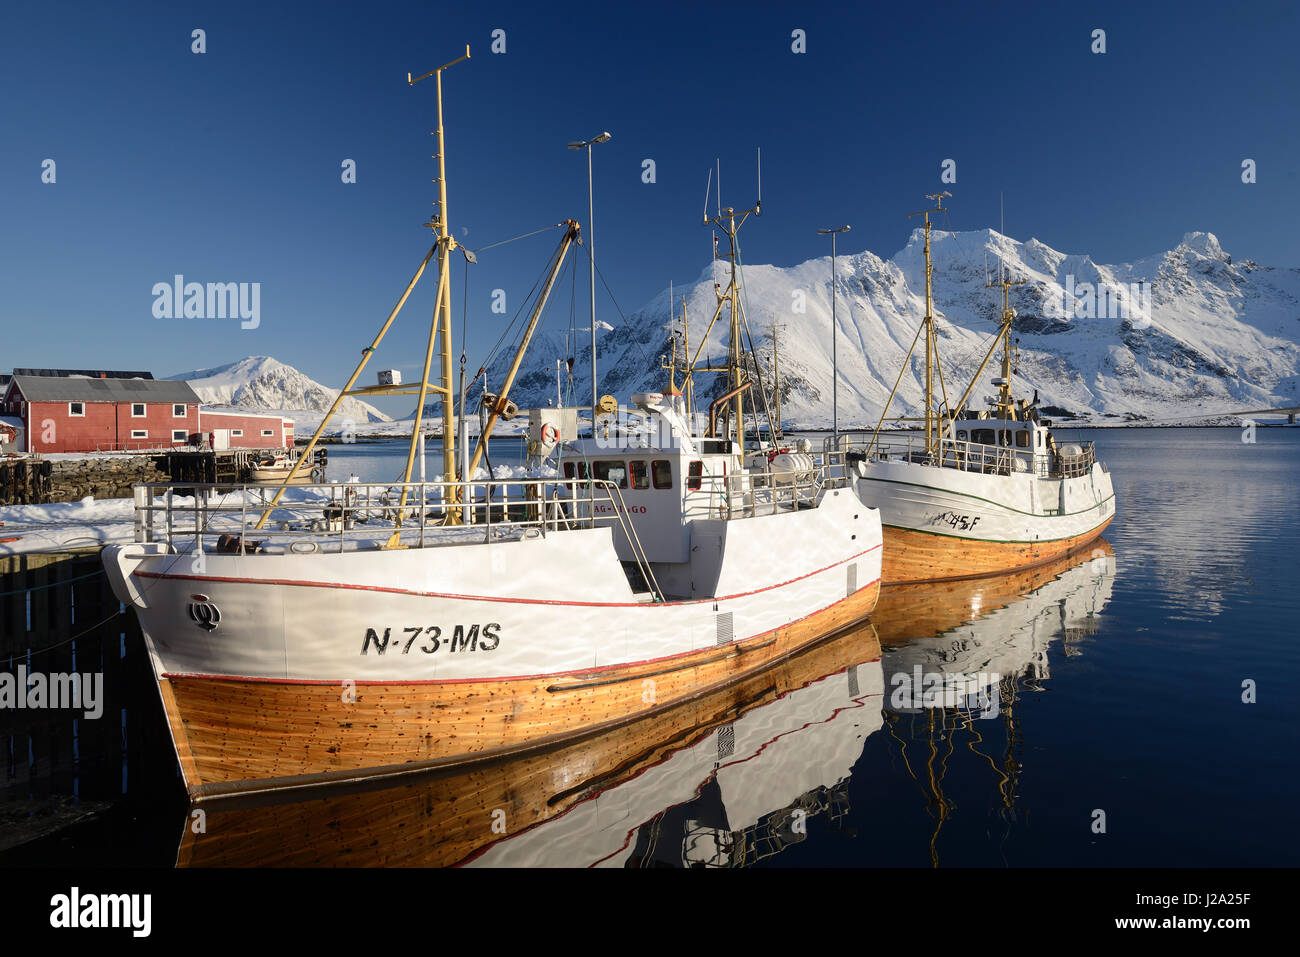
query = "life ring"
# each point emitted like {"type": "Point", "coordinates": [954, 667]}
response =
{"type": "Point", "coordinates": [550, 434]}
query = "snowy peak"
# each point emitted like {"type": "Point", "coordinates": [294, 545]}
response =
{"type": "Point", "coordinates": [1204, 244]}
{"type": "Point", "coordinates": [1179, 331]}
{"type": "Point", "coordinates": [264, 383]}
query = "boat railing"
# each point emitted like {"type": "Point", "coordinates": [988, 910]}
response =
{"type": "Point", "coordinates": [347, 516]}
{"type": "Point", "coordinates": [963, 455]}
{"type": "Point", "coordinates": [753, 492]}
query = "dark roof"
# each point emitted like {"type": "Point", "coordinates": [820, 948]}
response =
{"type": "Point", "coordinates": [88, 373]}
{"type": "Point", "coordinates": [61, 389]}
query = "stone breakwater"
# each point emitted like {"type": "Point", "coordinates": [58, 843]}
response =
{"type": "Point", "coordinates": [32, 481]}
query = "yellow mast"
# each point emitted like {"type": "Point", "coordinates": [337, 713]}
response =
{"type": "Point", "coordinates": [439, 335]}
{"type": "Point", "coordinates": [931, 346]}
{"type": "Point", "coordinates": [440, 327]}
{"type": "Point", "coordinates": [1006, 404]}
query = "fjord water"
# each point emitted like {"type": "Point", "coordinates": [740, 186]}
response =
{"type": "Point", "coordinates": [1143, 713]}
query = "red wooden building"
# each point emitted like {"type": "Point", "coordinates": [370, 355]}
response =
{"type": "Point", "coordinates": [237, 429]}
{"type": "Point", "coordinates": [108, 413]}
{"type": "Point", "coordinates": [82, 414]}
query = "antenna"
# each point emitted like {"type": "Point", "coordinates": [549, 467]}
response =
{"type": "Point", "coordinates": [707, 186]}
{"type": "Point", "coordinates": [1002, 231]}
{"type": "Point", "coordinates": [718, 160]}
{"type": "Point", "coordinates": [758, 206]}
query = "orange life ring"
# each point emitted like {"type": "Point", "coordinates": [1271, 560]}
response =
{"type": "Point", "coordinates": [550, 434]}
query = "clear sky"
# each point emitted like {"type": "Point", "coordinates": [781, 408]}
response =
{"type": "Point", "coordinates": [226, 166]}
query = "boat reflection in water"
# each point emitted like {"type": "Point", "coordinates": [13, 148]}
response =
{"type": "Point", "coordinates": [958, 656]}
{"type": "Point", "coordinates": [727, 779]}
{"type": "Point", "coordinates": [583, 804]}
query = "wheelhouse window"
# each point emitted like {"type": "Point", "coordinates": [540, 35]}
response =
{"type": "Point", "coordinates": [137, 410]}
{"type": "Point", "coordinates": [982, 436]}
{"type": "Point", "coordinates": [1022, 439]}
{"type": "Point", "coordinates": [962, 435]}
{"type": "Point", "coordinates": [661, 470]}
{"type": "Point", "coordinates": [640, 477]}
{"type": "Point", "coordinates": [694, 476]}
{"type": "Point", "coordinates": [178, 410]}
{"type": "Point", "coordinates": [608, 471]}
{"type": "Point", "coordinates": [77, 409]}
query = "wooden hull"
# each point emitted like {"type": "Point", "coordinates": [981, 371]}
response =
{"type": "Point", "coordinates": [240, 735]}
{"type": "Point", "coordinates": [452, 816]}
{"type": "Point", "coordinates": [913, 556]}
{"type": "Point", "coordinates": [924, 610]}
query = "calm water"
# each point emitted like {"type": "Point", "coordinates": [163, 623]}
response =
{"type": "Point", "coordinates": [1112, 688]}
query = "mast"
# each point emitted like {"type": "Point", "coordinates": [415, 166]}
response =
{"type": "Point", "coordinates": [1010, 353]}
{"type": "Point", "coordinates": [439, 341]}
{"type": "Point", "coordinates": [776, 378]}
{"type": "Point", "coordinates": [440, 327]}
{"type": "Point", "coordinates": [739, 382]}
{"type": "Point", "coordinates": [931, 346]}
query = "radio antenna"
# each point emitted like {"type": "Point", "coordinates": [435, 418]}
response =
{"type": "Point", "coordinates": [707, 186]}
{"type": "Point", "coordinates": [718, 160]}
{"type": "Point", "coordinates": [758, 206]}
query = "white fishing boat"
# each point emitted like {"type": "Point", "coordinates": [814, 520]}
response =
{"type": "Point", "coordinates": [977, 491]}
{"type": "Point", "coordinates": [333, 633]}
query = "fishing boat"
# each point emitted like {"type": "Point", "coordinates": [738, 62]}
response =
{"type": "Point", "coordinates": [275, 468]}
{"type": "Point", "coordinates": [976, 491]}
{"type": "Point", "coordinates": [770, 748]}
{"type": "Point", "coordinates": [331, 634]}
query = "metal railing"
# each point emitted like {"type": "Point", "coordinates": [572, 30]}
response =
{"type": "Point", "coordinates": [338, 517]}
{"type": "Point", "coordinates": [753, 492]}
{"type": "Point", "coordinates": [966, 456]}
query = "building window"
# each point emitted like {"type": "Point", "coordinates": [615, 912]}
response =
{"type": "Point", "coordinates": [695, 476]}
{"type": "Point", "coordinates": [77, 409]}
{"type": "Point", "coordinates": [268, 432]}
{"type": "Point", "coordinates": [139, 434]}
{"type": "Point", "coordinates": [180, 435]}
{"type": "Point", "coordinates": [662, 472]}
{"type": "Point", "coordinates": [137, 410]}
{"type": "Point", "coordinates": [178, 410]}
{"type": "Point", "coordinates": [237, 433]}
{"type": "Point", "coordinates": [640, 477]}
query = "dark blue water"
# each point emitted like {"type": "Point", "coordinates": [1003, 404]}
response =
{"type": "Point", "coordinates": [1119, 734]}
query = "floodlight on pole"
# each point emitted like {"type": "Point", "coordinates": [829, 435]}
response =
{"type": "Point", "coordinates": [835, 365]}
{"type": "Point", "coordinates": [591, 256]}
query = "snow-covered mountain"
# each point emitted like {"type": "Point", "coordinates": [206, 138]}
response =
{"type": "Point", "coordinates": [1177, 334]}
{"type": "Point", "coordinates": [262, 383]}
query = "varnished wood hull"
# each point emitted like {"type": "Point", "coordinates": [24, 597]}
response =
{"type": "Point", "coordinates": [913, 556]}
{"type": "Point", "coordinates": [236, 735]}
{"type": "Point", "coordinates": [450, 816]}
{"type": "Point", "coordinates": [921, 610]}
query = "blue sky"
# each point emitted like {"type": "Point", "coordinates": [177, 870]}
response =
{"type": "Point", "coordinates": [225, 166]}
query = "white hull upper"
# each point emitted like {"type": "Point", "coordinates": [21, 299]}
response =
{"type": "Point", "coordinates": [550, 604]}
{"type": "Point", "coordinates": [1016, 508]}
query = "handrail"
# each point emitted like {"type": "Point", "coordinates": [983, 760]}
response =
{"type": "Point", "coordinates": [638, 552]}
{"type": "Point", "coordinates": [908, 445]}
